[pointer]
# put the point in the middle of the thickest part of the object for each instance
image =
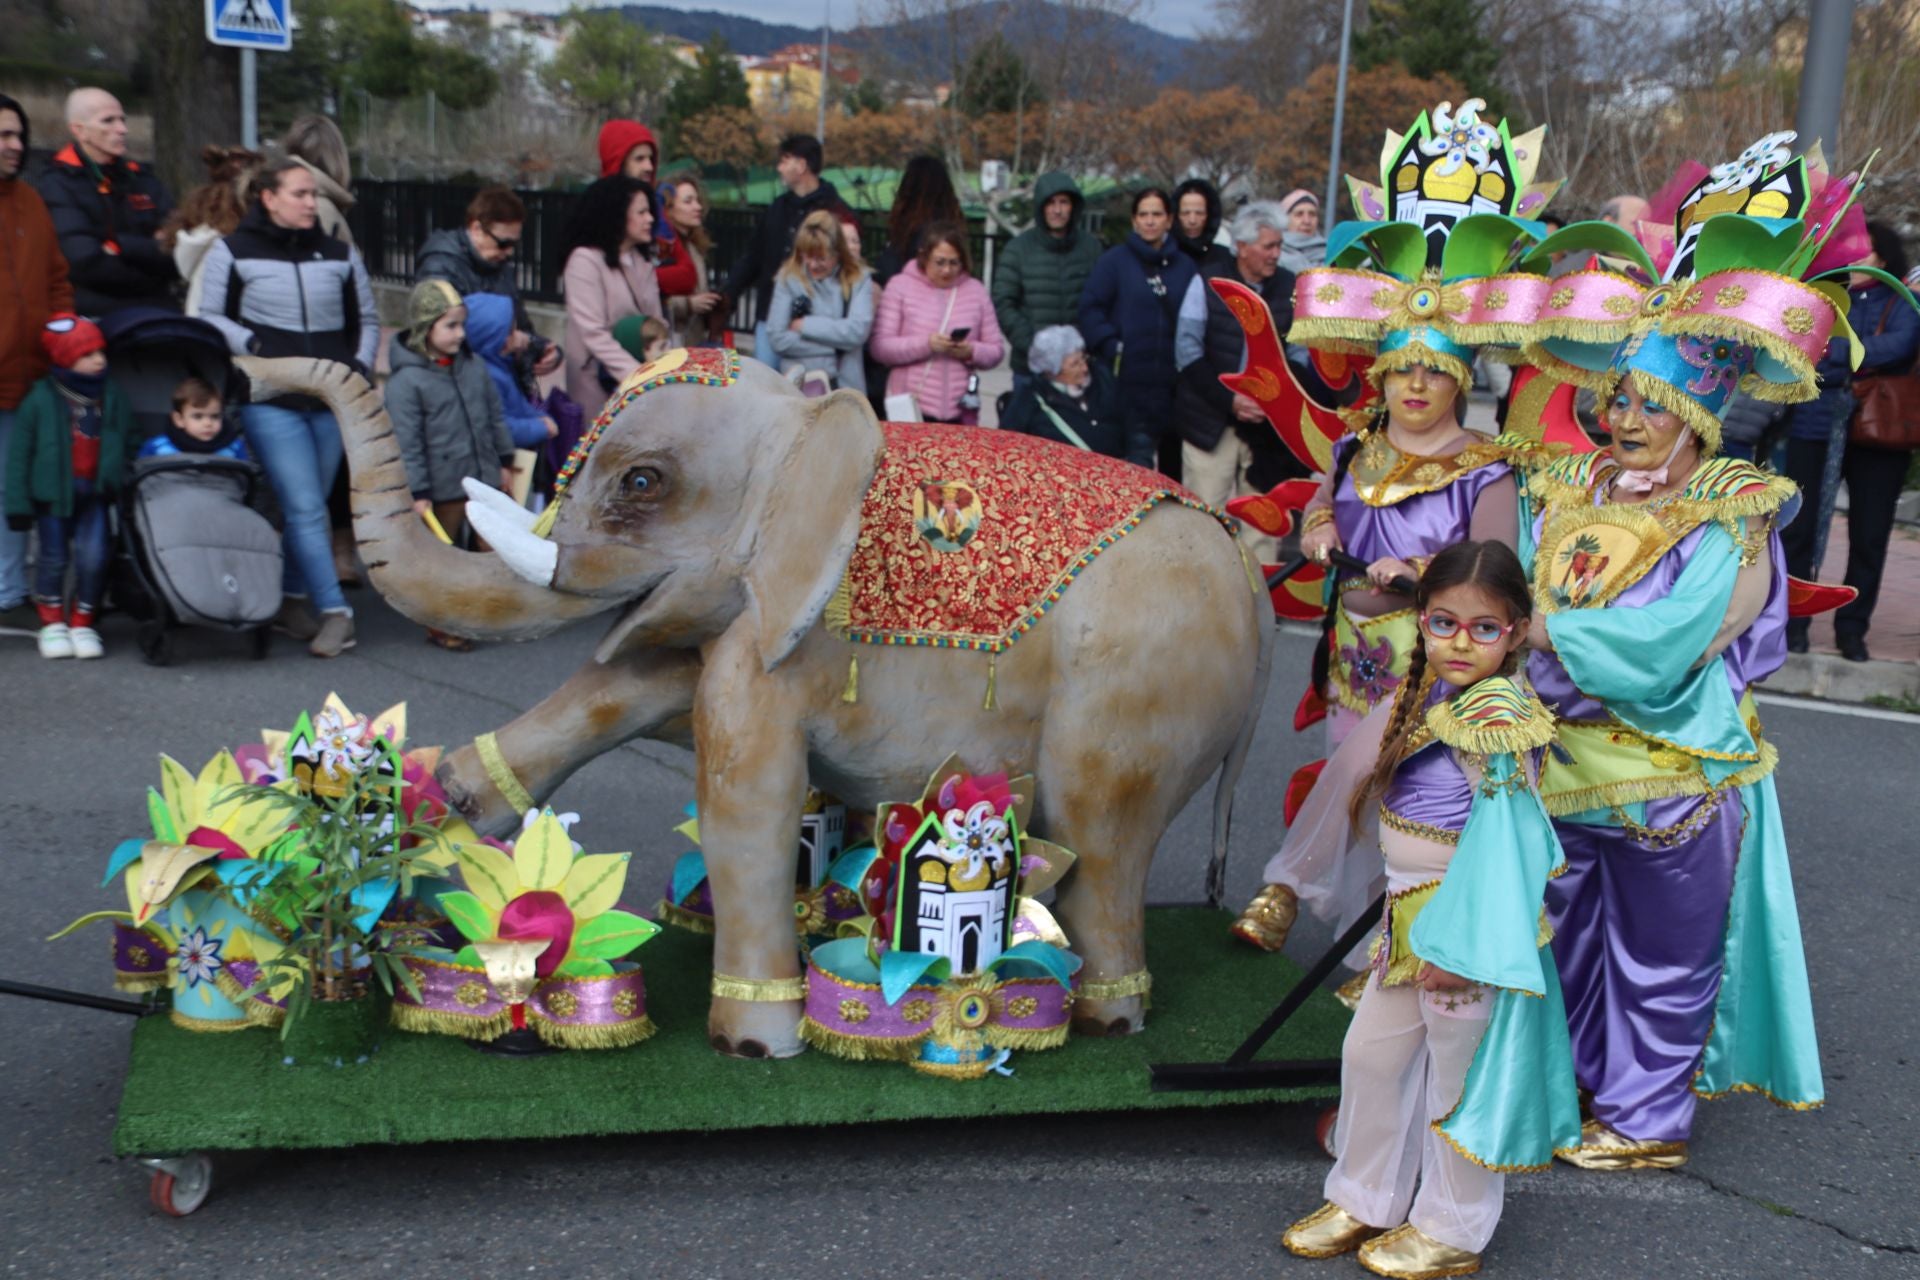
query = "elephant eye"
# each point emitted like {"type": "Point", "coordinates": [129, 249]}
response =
{"type": "Point", "coordinates": [641, 482]}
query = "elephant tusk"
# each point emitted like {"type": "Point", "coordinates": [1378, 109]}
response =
{"type": "Point", "coordinates": [487, 496]}
{"type": "Point", "coordinates": [533, 558]}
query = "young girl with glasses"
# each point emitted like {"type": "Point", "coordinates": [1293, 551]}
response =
{"type": "Point", "coordinates": [1456, 1069]}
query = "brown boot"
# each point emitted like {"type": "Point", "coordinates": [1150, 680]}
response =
{"type": "Point", "coordinates": [1268, 918]}
{"type": "Point", "coordinates": [297, 618]}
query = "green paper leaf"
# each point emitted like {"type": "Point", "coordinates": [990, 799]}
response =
{"type": "Point", "coordinates": [163, 828]}
{"type": "Point", "coordinates": [469, 915]}
{"type": "Point", "coordinates": [610, 936]}
{"type": "Point", "coordinates": [469, 958]}
{"type": "Point", "coordinates": [1735, 240]}
{"type": "Point", "coordinates": [594, 884]}
{"type": "Point", "coordinates": [1400, 249]}
{"type": "Point", "coordinates": [489, 873]}
{"type": "Point", "coordinates": [91, 917]}
{"type": "Point", "coordinates": [1594, 236]}
{"type": "Point", "coordinates": [585, 967]}
{"type": "Point", "coordinates": [1480, 245]}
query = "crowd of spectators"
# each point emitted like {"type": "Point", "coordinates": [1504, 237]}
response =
{"type": "Point", "coordinates": [1118, 350]}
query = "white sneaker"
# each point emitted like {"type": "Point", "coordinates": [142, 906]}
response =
{"type": "Point", "coordinates": [86, 642]}
{"type": "Point", "coordinates": [56, 641]}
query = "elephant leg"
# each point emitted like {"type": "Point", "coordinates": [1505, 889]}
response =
{"type": "Point", "coordinates": [643, 693]}
{"type": "Point", "coordinates": [751, 761]}
{"type": "Point", "coordinates": [1109, 803]}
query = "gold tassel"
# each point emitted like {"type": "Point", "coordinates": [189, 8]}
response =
{"type": "Point", "coordinates": [616, 1036]}
{"type": "Point", "coordinates": [543, 526]}
{"type": "Point", "coordinates": [852, 692]}
{"type": "Point", "coordinates": [993, 668]}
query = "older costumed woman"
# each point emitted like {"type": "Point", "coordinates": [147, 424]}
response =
{"type": "Point", "coordinates": [1661, 598]}
{"type": "Point", "coordinates": [1418, 292]}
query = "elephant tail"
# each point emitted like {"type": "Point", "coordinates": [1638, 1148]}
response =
{"type": "Point", "coordinates": [1237, 756]}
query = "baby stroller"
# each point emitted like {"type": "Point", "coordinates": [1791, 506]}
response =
{"type": "Point", "coordinates": [199, 546]}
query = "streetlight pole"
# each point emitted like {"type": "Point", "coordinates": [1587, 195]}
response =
{"type": "Point", "coordinates": [1330, 212]}
{"type": "Point", "coordinates": [1823, 75]}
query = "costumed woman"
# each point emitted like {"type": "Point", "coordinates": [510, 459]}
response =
{"type": "Point", "coordinates": [1456, 1068]}
{"type": "Point", "coordinates": [1661, 597]}
{"type": "Point", "coordinates": [1418, 294]}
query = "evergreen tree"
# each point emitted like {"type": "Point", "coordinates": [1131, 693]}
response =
{"type": "Point", "coordinates": [714, 80]}
{"type": "Point", "coordinates": [1432, 38]}
{"type": "Point", "coordinates": [996, 81]}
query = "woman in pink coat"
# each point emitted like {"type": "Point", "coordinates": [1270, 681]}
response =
{"type": "Point", "coordinates": [609, 276]}
{"type": "Point", "coordinates": [936, 328]}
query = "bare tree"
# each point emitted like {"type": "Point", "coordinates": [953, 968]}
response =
{"type": "Point", "coordinates": [1269, 47]}
{"type": "Point", "coordinates": [1051, 105]}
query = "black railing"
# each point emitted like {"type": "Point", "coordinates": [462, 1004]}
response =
{"type": "Point", "coordinates": [391, 220]}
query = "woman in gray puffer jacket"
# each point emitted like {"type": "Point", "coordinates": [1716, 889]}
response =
{"type": "Point", "coordinates": [822, 308]}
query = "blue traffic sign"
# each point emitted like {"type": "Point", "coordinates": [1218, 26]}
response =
{"type": "Point", "coordinates": [251, 24]}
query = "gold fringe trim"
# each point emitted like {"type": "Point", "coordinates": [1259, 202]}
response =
{"type": "Point", "coordinates": [1757, 387]}
{"type": "Point", "coordinates": [259, 1012]}
{"type": "Point", "coordinates": [1638, 790]}
{"type": "Point", "coordinates": [1782, 1103]}
{"type": "Point", "coordinates": [1722, 326]}
{"type": "Point", "coordinates": [442, 1022]}
{"type": "Point", "coordinates": [993, 671]}
{"type": "Point", "coordinates": [617, 1035]}
{"type": "Point", "coordinates": [952, 1070]}
{"type": "Point", "coordinates": [187, 1022]}
{"type": "Point", "coordinates": [1137, 983]}
{"type": "Point", "coordinates": [1028, 1039]}
{"type": "Point", "coordinates": [1682, 405]}
{"type": "Point", "coordinates": [487, 747]}
{"type": "Point", "coordinates": [838, 615]}
{"type": "Point", "coordinates": [1565, 371]}
{"type": "Point", "coordinates": [139, 983]}
{"type": "Point", "coordinates": [1420, 353]}
{"type": "Point", "coordinates": [1511, 739]}
{"type": "Point", "coordinates": [859, 1048]}
{"type": "Point", "coordinates": [1474, 1159]}
{"type": "Point", "coordinates": [759, 990]}
{"type": "Point", "coordinates": [851, 693]}
{"type": "Point", "coordinates": [1408, 827]}
{"type": "Point", "coordinates": [679, 916]}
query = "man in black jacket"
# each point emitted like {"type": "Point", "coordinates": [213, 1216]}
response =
{"type": "Point", "coordinates": [107, 210]}
{"type": "Point", "coordinates": [799, 168]}
{"type": "Point", "coordinates": [1228, 448]}
{"type": "Point", "coordinates": [478, 258]}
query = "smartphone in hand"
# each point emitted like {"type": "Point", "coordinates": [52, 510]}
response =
{"type": "Point", "coordinates": [960, 334]}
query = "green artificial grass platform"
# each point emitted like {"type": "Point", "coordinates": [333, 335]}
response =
{"type": "Point", "coordinates": [190, 1091]}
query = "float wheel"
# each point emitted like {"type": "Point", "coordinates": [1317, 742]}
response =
{"type": "Point", "coordinates": [180, 1185]}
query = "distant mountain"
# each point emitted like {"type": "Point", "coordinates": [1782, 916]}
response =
{"type": "Point", "coordinates": [1163, 57]}
{"type": "Point", "coordinates": [748, 36]}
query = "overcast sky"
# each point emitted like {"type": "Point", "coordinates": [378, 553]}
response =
{"type": "Point", "coordinates": [1182, 17]}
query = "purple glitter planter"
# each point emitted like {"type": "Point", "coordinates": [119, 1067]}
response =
{"type": "Point", "coordinates": [853, 1020]}
{"type": "Point", "coordinates": [139, 959]}
{"type": "Point", "coordinates": [574, 1013]}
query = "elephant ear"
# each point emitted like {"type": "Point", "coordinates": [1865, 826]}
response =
{"type": "Point", "coordinates": [811, 520]}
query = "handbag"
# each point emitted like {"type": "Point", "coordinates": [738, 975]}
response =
{"type": "Point", "coordinates": [1887, 406]}
{"type": "Point", "coordinates": [905, 406]}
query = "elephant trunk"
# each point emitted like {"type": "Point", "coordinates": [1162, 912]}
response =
{"type": "Point", "coordinates": [466, 593]}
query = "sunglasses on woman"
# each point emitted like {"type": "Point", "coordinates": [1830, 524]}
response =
{"type": "Point", "coordinates": [1484, 632]}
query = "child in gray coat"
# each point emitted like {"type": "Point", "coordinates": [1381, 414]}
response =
{"type": "Point", "coordinates": [822, 307]}
{"type": "Point", "coordinates": [446, 415]}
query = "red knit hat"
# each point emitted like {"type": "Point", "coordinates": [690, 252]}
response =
{"type": "Point", "coordinates": [68, 339]}
{"type": "Point", "coordinates": [617, 138]}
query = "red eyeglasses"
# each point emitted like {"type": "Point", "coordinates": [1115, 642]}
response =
{"type": "Point", "coordinates": [1482, 631]}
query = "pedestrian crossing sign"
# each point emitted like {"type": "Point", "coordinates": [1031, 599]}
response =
{"type": "Point", "coordinates": [251, 24]}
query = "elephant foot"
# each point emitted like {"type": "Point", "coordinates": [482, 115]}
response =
{"type": "Point", "coordinates": [1107, 1018]}
{"type": "Point", "coordinates": [755, 1029]}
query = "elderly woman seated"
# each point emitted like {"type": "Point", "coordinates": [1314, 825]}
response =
{"type": "Point", "coordinates": [1073, 400]}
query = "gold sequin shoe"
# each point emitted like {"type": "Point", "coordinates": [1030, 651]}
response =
{"type": "Point", "coordinates": [1602, 1148]}
{"type": "Point", "coordinates": [1408, 1253]}
{"type": "Point", "coordinates": [1327, 1232]}
{"type": "Point", "coordinates": [1349, 992]}
{"type": "Point", "coordinates": [1268, 918]}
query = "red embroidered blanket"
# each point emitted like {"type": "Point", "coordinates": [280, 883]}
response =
{"type": "Point", "coordinates": [968, 535]}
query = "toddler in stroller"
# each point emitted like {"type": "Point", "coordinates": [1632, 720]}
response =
{"type": "Point", "coordinates": [201, 546]}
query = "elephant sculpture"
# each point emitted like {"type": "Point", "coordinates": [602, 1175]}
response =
{"type": "Point", "coordinates": [720, 520]}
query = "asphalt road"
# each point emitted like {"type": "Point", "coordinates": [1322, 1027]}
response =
{"type": "Point", "coordinates": [1834, 1193]}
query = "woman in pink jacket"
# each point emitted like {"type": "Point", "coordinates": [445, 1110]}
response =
{"type": "Point", "coordinates": [609, 276]}
{"type": "Point", "coordinates": [936, 328]}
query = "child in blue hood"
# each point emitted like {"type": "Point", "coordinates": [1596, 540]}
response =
{"type": "Point", "coordinates": [489, 325]}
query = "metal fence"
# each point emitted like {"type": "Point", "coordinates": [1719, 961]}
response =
{"type": "Point", "coordinates": [391, 220]}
